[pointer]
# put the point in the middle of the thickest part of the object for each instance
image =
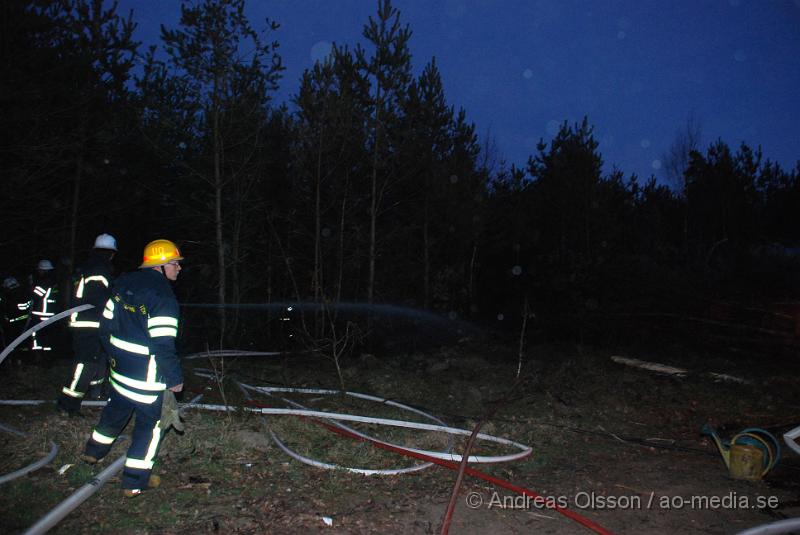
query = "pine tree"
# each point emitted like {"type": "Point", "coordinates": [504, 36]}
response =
{"type": "Point", "coordinates": [230, 70]}
{"type": "Point", "coordinates": [388, 70]}
{"type": "Point", "coordinates": [65, 65]}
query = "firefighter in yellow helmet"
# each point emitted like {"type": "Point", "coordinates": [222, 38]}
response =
{"type": "Point", "coordinates": [139, 326]}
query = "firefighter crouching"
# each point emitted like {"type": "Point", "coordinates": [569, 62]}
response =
{"type": "Point", "coordinates": [138, 327]}
{"type": "Point", "coordinates": [92, 285]}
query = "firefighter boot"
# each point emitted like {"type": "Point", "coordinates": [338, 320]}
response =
{"type": "Point", "coordinates": [152, 483]}
{"type": "Point", "coordinates": [89, 459]}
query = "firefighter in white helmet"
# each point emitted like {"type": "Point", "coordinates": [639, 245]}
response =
{"type": "Point", "coordinates": [43, 305]}
{"type": "Point", "coordinates": [91, 285]}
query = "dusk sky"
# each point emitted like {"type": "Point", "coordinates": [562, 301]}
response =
{"type": "Point", "coordinates": [637, 68]}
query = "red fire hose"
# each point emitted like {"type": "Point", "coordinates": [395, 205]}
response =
{"type": "Point", "coordinates": [475, 473]}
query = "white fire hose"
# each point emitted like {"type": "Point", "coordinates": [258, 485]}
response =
{"type": "Point", "coordinates": [790, 437]}
{"type": "Point", "coordinates": [41, 325]}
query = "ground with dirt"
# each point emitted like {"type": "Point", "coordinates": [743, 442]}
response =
{"type": "Point", "coordinates": [616, 444]}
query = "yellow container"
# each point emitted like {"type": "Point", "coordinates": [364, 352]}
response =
{"type": "Point", "coordinates": [746, 462]}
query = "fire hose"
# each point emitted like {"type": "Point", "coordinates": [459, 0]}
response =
{"type": "Point", "coordinates": [41, 325]}
{"type": "Point", "coordinates": [438, 458]}
{"type": "Point", "coordinates": [31, 467]}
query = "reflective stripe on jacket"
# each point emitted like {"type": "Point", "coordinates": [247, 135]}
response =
{"type": "Point", "coordinates": [139, 325]}
{"type": "Point", "coordinates": [44, 303]}
{"type": "Point", "coordinates": [91, 286]}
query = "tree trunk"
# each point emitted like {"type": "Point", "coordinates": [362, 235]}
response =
{"type": "Point", "coordinates": [685, 218]}
{"type": "Point", "coordinates": [426, 273]}
{"type": "Point", "coordinates": [76, 200]}
{"type": "Point", "coordinates": [269, 287]}
{"type": "Point", "coordinates": [373, 212]}
{"type": "Point", "coordinates": [471, 287]}
{"type": "Point", "coordinates": [341, 244]}
{"type": "Point", "coordinates": [316, 281]}
{"type": "Point", "coordinates": [586, 221]}
{"type": "Point", "coordinates": [236, 253]}
{"type": "Point", "coordinates": [319, 319]}
{"type": "Point", "coordinates": [218, 213]}
{"type": "Point", "coordinates": [66, 287]}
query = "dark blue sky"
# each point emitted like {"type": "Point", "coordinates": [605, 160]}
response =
{"type": "Point", "coordinates": [637, 68]}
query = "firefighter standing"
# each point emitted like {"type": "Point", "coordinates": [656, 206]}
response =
{"type": "Point", "coordinates": [43, 305]}
{"type": "Point", "coordinates": [91, 286]}
{"type": "Point", "coordinates": [138, 328]}
{"type": "Point", "coordinates": [15, 309]}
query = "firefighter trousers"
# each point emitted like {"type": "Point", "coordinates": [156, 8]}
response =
{"type": "Point", "coordinates": [145, 440]}
{"type": "Point", "coordinates": [86, 377]}
{"type": "Point", "coordinates": [89, 372]}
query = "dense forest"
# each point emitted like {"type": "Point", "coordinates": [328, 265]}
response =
{"type": "Point", "coordinates": [368, 186]}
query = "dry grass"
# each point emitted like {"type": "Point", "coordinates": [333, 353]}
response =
{"type": "Point", "coordinates": [225, 475]}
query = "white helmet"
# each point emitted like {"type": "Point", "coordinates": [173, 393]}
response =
{"type": "Point", "coordinates": [105, 241]}
{"type": "Point", "coordinates": [45, 265]}
{"type": "Point", "coordinates": [10, 283]}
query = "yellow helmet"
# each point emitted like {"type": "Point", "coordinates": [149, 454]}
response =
{"type": "Point", "coordinates": [160, 252]}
